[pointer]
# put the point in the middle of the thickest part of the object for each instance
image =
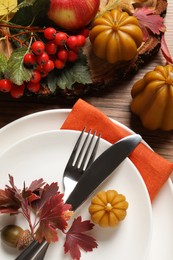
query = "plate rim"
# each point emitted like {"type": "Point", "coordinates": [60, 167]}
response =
{"type": "Point", "coordinates": [156, 209]}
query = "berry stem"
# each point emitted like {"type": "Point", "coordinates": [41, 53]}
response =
{"type": "Point", "coordinates": [30, 28]}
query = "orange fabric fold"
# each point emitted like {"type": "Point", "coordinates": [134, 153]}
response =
{"type": "Point", "coordinates": [154, 169]}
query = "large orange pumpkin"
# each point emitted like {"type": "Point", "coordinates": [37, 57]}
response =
{"type": "Point", "coordinates": [116, 36]}
{"type": "Point", "coordinates": [153, 98]}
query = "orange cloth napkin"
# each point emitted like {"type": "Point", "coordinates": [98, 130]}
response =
{"type": "Point", "coordinates": [154, 169]}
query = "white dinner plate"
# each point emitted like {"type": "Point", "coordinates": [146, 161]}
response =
{"type": "Point", "coordinates": [161, 244]}
{"type": "Point", "coordinates": [45, 155]}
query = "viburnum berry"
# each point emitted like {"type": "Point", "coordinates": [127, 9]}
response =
{"type": "Point", "coordinates": [51, 48]}
{"type": "Point", "coordinates": [72, 56]}
{"type": "Point", "coordinates": [47, 67]}
{"type": "Point", "coordinates": [40, 69]}
{"type": "Point", "coordinates": [80, 40]}
{"type": "Point", "coordinates": [33, 87]}
{"type": "Point", "coordinates": [17, 91]}
{"type": "Point", "coordinates": [36, 76]}
{"type": "Point", "coordinates": [72, 43]}
{"type": "Point", "coordinates": [62, 55]}
{"type": "Point", "coordinates": [42, 58]}
{"type": "Point", "coordinates": [85, 32]}
{"type": "Point", "coordinates": [29, 59]}
{"type": "Point", "coordinates": [5, 85]}
{"type": "Point", "coordinates": [49, 33]}
{"type": "Point", "coordinates": [38, 47]}
{"type": "Point", "coordinates": [53, 57]}
{"type": "Point", "coordinates": [59, 64]}
{"type": "Point", "coordinates": [60, 38]}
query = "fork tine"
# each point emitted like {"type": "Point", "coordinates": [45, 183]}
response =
{"type": "Point", "coordinates": [82, 149]}
{"type": "Point", "coordinates": [73, 154]}
{"type": "Point", "coordinates": [93, 154]}
{"type": "Point", "coordinates": [87, 151]}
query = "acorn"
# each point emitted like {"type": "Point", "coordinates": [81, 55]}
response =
{"type": "Point", "coordinates": [15, 236]}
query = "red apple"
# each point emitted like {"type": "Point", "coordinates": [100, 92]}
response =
{"type": "Point", "coordinates": [72, 14]}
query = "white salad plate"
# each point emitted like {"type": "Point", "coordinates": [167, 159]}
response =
{"type": "Point", "coordinates": [45, 155]}
{"type": "Point", "coordinates": [162, 207]}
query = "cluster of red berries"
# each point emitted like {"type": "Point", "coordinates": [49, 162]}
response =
{"type": "Point", "coordinates": [54, 54]}
{"type": "Point", "coordinates": [58, 49]}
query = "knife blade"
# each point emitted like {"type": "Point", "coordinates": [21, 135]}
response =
{"type": "Point", "coordinates": [100, 169]}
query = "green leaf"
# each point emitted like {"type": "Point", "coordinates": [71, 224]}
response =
{"type": "Point", "coordinates": [75, 72]}
{"type": "Point", "coordinates": [23, 17]}
{"type": "Point", "coordinates": [3, 64]}
{"type": "Point", "coordinates": [16, 71]}
{"type": "Point", "coordinates": [24, 3]}
{"type": "Point", "coordinates": [30, 12]}
{"type": "Point", "coordinates": [52, 80]}
{"type": "Point", "coordinates": [40, 9]}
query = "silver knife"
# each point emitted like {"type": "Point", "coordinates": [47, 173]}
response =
{"type": "Point", "coordinates": [100, 169]}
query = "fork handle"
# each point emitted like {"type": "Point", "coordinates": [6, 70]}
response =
{"type": "Point", "coordinates": [34, 248]}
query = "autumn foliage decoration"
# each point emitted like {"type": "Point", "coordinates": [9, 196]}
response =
{"type": "Point", "coordinates": [51, 215]}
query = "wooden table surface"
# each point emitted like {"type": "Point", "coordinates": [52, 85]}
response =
{"type": "Point", "coordinates": [114, 102]}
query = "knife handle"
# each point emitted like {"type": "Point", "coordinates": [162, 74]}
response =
{"type": "Point", "coordinates": [33, 250]}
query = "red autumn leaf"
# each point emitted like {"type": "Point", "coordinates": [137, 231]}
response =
{"type": "Point", "coordinates": [165, 51]}
{"type": "Point", "coordinates": [53, 215]}
{"type": "Point", "coordinates": [8, 203]}
{"type": "Point", "coordinates": [46, 231]}
{"type": "Point", "coordinates": [25, 193]}
{"type": "Point", "coordinates": [148, 20]}
{"type": "Point", "coordinates": [46, 193]}
{"type": "Point", "coordinates": [75, 239]}
{"type": "Point", "coordinates": [33, 191]}
{"type": "Point", "coordinates": [36, 185]}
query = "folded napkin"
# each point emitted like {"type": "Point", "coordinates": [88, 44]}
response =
{"type": "Point", "coordinates": [154, 169]}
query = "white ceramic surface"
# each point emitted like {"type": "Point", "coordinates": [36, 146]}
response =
{"type": "Point", "coordinates": [45, 155]}
{"type": "Point", "coordinates": [161, 244]}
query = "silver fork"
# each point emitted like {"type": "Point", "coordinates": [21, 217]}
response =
{"type": "Point", "coordinates": [78, 162]}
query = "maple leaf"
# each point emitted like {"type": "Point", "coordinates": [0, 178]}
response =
{"type": "Point", "coordinates": [53, 215]}
{"type": "Point", "coordinates": [75, 239]}
{"type": "Point", "coordinates": [149, 21]}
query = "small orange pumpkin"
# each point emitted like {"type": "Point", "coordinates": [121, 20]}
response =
{"type": "Point", "coordinates": [108, 208]}
{"type": "Point", "coordinates": [116, 36]}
